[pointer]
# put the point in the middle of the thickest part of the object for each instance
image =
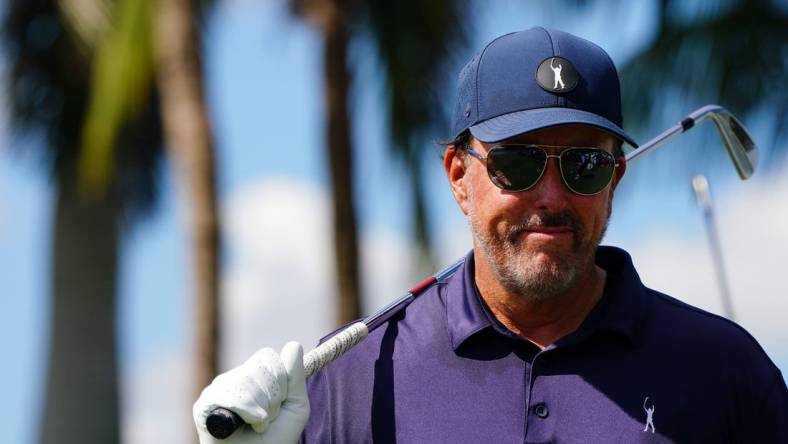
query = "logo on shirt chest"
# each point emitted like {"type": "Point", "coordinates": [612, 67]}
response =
{"type": "Point", "coordinates": [649, 408]}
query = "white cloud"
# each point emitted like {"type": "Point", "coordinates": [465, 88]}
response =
{"type": "Point", "coordinates": [388, 268]}
{"type": "Point", "coordinates": [157, 398]}
{"type": "Point", "coordinates": [278, 283]}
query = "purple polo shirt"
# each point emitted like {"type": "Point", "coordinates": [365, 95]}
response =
{"type": "Point", "coordinates": [642, 367]}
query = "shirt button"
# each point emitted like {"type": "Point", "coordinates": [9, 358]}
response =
{"type": "Point", "coordinates": [541, 410]}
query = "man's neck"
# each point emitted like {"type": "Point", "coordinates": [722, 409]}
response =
{"type": "Point", "coordinates": [546, 321]}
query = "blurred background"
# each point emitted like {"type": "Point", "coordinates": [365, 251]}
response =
{"type": "Point", "coordinates": [182, 183]}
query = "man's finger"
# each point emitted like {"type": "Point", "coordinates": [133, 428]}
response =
{"type": "Point", "coordinates": [293, 359]}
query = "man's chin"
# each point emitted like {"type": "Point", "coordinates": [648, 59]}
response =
{"type": "Point", "coordinates": [549, 256]}
{"type": "Point", "coordinates": [546, 265]}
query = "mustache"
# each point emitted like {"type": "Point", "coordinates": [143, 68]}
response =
{"type": "Point", "coordinates": [547, 220]}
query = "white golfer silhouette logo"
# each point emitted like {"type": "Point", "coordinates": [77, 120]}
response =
{"type": "Point", "coordinates": [649, 416]}
{"type": "Point", "coordinates": [557, 72]}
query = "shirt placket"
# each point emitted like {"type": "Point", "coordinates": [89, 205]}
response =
{"type": "Point", "coordinates": [538, 408]}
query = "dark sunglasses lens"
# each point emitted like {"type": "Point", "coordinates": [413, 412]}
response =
{"type": "Point", "coordinates": [515, 168]}
{"type": "Point", "coordinates": [587, 171]}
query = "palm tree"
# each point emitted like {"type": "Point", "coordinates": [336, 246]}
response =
{"type": "Point", "coordinates": [49, 84]}
{"type": "Point", "coordinates": [86, 78]}
{"type": "Point", "coordinates": [414, 40]}
{"type": "Point", "coordinates": [190, 142]}
{"type": "Point", "coordinates": [331, 18]}
{"type": "Point", "coordinates": [156, 40]}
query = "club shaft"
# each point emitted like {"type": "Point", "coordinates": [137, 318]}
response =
{"type": "Point", "coordinates": [374, 320]}
{"type": "Point", "coordinates": [703, 198]}
{"type": "Point", "coordinates": [682, 126]}
{"type": "Point", "coordinates": [655, 142]}
{"type": "Point", "coordinates": [719, 267]}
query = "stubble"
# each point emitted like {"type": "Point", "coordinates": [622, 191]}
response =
{"type": "Point", "coordinates": [537, 273]}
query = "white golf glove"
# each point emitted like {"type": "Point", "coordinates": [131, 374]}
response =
{"type": "Point", "coordinates": [268, 392]}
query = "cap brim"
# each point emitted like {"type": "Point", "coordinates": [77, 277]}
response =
{"type": "Point", "coordinates": [521, 122]}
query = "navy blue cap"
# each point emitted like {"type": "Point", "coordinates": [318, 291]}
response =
{"type": "Point", "coordinates": [534, 79]}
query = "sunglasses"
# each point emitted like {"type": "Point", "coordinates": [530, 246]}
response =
{"type": "Point", "coordinates": [585, 171]}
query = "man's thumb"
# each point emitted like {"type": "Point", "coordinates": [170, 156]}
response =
{"type": "Point", "coordinates": [293, 359]}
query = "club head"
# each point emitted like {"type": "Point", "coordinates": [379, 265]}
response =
{"type": "Point", "coordinates": [738, 143]}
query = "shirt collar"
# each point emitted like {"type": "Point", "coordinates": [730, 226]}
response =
{"type": "Point", "coordinates": [621, 309]}
{"type": "Point", "coordinates": [465, 311]}
{"type": "Point", "coordinates": [624, 303]}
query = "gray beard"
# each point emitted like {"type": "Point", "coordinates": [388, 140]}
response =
{"type": "Point", "coordinates": [517, 269]}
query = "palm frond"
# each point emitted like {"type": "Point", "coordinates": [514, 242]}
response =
{"type": "Point", "coordinates": [87, 20]}
{"type": "Point", "coordinates": [47, 80]}
{"type": "Point", "coordinates": [735, 56]}
{"type": "Point", "coordinates": [121, 86]}
{"type": "Point", "coordinates": [415, 40]}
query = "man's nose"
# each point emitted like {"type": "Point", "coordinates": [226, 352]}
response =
{"type": "Point", "coordinates": [550, 193]}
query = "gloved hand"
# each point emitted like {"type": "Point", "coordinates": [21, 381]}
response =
{"type": "Point", "coordinates": [268, 392]}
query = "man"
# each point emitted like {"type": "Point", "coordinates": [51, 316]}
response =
{"type": "Point", "coordinates": [541, 335]}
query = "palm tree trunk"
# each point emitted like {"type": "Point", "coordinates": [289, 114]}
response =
{"type": "Point", "coordinates": [190, 142]}
{"type": "Point", "coordinates": [340, 158]}
{"type": "Point", "coordinates": [82, 387]}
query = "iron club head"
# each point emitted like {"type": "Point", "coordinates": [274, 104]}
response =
{"type": "Point", "coordinates": [737, 142]}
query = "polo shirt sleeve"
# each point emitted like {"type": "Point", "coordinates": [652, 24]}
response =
{"type": "Point", "coordinates": [766, 419]}
{"type": "Point", "coordinates": [760, 396]}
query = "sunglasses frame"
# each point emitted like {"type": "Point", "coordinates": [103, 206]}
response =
{"type": "Point", "coordinates": [566, 149]}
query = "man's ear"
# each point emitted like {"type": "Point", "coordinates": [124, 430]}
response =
{"type": "Point", "coordinates": [454, 165]}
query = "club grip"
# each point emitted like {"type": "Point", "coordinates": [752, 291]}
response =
{"type": "Point", "coordinates": [222, 422]}
{"type": "Point", "coordinates": [327, 352]}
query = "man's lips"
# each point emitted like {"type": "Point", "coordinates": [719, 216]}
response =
{"type": "Point", "coordinates": [549, 233]}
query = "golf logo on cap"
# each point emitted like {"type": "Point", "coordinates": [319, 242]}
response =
{"type": "Point", "coordinates": [556, 75]}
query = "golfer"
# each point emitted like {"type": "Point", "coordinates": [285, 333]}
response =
{"type": "Point", "coordinates": [541, 335]}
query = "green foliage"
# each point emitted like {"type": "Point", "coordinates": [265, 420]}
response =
{"type": "Point", "coordinates": [415, 40]}
{"type": "Point", "coordinates": [733, 53]}
{"type": "Point", "coordinates": [122, 83]}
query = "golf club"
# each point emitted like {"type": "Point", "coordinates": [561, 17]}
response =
{"type": "Point", "coordinates": [221, 423]}
{"type": "Point", "coordinates": [737, 142]}
{"type": "Point", "coordinates": [703, 197]}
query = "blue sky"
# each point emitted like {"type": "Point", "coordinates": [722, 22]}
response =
{"type": "Point", "coordinates": [264, 88]}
